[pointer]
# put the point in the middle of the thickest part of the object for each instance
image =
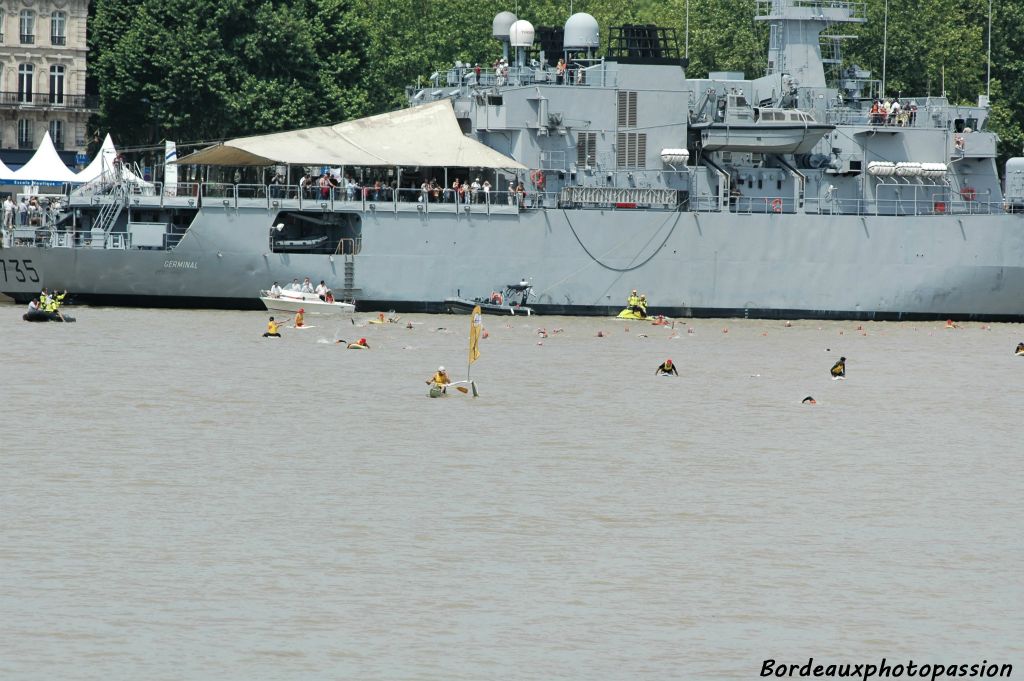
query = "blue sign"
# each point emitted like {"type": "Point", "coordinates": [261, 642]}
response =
{"type": "Point", "coordinates": [81, 159]}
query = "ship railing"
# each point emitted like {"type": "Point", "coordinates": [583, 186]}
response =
{"type": "Point", "coordinates": [577, 73]}
{"type": "Point", "coordinates": [938, 204]}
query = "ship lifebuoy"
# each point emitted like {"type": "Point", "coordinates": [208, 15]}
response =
{"type": "Point", "coordinates": [776, 205]}
{"type": "Point", "coordinates": [537, 177]}
{"type": "Point", "coordinates": [968, 193]}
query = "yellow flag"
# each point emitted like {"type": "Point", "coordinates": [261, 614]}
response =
{"type": "Point", "coordinates": [475, 325]}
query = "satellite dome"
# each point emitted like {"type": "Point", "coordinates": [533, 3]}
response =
{"type": "Point", "coordinates": [500, 25]}
{"type": "Point", "coordinates": [520, 34]}
{"type": "Point", "coordinates": [581, 32]}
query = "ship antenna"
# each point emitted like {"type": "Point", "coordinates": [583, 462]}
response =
{"type": "Point", "coordinates": [687, 55]}
{"type": "Point", "coordinates": [885, 44]}
{"type": "Point", "coordinates": [988, 77]}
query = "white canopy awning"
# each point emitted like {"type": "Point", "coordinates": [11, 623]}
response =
{"type": "Point", "coordinates": [426, 135]}
{"type": "Point", "coordinates": [45, 167]}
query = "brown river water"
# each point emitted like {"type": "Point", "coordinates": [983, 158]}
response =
{"type": "Point", "coordinates": [183, 499]}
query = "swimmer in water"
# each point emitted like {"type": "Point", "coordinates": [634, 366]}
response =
{"type": "Point", "coordinates": [667, 368]}
{"type": "Point", "coordinates": [808, 400]}
{"type": "Point", "coordinates": [839, 368]}
{"type": "Point", "coordinates": [272, 331]}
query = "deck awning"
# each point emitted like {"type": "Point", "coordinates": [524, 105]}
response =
{"type": "Point", "coordinates": [426, 135]}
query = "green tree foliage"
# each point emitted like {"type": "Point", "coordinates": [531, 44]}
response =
{"type": "Point", "coordinates": [197, 69]}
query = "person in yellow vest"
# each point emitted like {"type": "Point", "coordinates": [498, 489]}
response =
{"type": "Point", "coordinates": [1020, 349]}
{"type": "Point", "coordinates": [440, 379]}
{"type": "Point", "coordinates": [272, 331]}
{"type": "Point", "coordinates": [667, 368]}
{"type": "Point", "coordinates": [838, 369]}
{"type": "Point", "coordinates": [299, 321]}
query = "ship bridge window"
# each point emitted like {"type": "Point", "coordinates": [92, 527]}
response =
{"type": "Point", "coordinates": [740, 100]}
{"type": "Point", "coordinates": [972, 123]}
{"type": "Point", "coordinates": [959, 125]}
{"type": "Point", "coordinates": [495, 100]}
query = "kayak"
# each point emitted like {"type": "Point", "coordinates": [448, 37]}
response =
{"type": "Point", "coordinates": [630, 314]}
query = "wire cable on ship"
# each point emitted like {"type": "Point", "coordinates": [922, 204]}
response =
{"type": "Point", "coordinates": [633, 267]}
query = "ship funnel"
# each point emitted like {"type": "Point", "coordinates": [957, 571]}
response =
{"type": "Point", "coordinates": [581, 32]}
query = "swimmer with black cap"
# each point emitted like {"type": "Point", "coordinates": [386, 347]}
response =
{"type": "Point", "coordinates": [1020, 349]}
{"type": "Point", "coordinates": [808, 400]}
{"type": "Point", "coordinates": [838, 369]}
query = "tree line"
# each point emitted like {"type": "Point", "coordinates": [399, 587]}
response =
{"type": "Point", "coordinates": [204, 70]}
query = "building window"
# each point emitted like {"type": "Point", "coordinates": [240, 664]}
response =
{"type": "Point", "coordinates": [28, 27]}
{"type": "Point", "coordinates": [3, 25]}
{"type": "Point", "coordinates": [25, 72]}
{"type": "Point", "coordinates": [57, 84]}
{"type": "Point", "coordinates": [59, 28]}
{"type": "Point", "coordinates": [26, 140]}
{"type": "Point", "coordinates": [57, 133]}
{"type": "Point", "coordinates": [586, 148]}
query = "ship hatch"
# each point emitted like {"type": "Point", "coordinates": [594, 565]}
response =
{"type": "Point", "coordinates": [316, 232]}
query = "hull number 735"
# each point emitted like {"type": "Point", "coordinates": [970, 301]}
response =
{"type": "Point", "coordinates": [20, 271]}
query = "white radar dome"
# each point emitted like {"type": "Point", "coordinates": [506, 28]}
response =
{"type": "Point", "coordinates": [502, 22]}
{"type": "Point", "coordinates": [581, 32]}
{"type": "Point", "coordinates": [520, 34]}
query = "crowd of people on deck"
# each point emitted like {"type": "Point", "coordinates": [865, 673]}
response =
{"type": "Point", "coordinates": [27, 212]}
{"type": "Point", "coordinates": [328, 185]}
{"type": "Point", "coordinates": [892, 112]}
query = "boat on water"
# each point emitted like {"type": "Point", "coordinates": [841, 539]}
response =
{"type": "Point", "coordinates": [43, 316]}
{"type": "Point", "coordinates": [510, 301]}
{"type": "Point", "coordinates": [289, 301]}
{"type": "Point", "coordinates": [796, 202]}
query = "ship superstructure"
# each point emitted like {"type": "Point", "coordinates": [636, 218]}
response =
{"type": "Point", "coordinates": [590, 174]}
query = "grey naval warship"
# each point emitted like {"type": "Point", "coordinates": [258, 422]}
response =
{"type": "Point", "coordinates": [588, 172]}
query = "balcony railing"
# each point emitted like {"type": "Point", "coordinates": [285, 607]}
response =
{"type": "Point", "coordinates": [58, 40]}
{"type": "Point", "coordinates": [43, 100]}
{"type": "Point", "coordinates": [28, 39]}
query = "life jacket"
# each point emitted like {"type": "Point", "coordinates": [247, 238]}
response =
{"type": "Point", "coordinates": [271, 327]}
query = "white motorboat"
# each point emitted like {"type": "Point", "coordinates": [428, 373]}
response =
{"type": "Point", "coordinates": [290, 301]}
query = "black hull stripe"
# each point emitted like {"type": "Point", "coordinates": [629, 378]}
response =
{"type": "Point", "coordinates": [436, 307]}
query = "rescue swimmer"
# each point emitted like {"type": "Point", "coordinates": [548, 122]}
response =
{"type": "Point", "coordinates": [838, 369]}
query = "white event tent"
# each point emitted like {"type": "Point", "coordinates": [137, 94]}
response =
{"type": "Point", "coordinates": [104, 161]}
{"type": "Point", "coordinates": [44, 168]}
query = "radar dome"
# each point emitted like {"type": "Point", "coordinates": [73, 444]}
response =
{"type": "Point", "coordinates": [520, 34]}
{"type": "Point", "coordinates": [502, 22]}
{"type": "Point", "coordinates": [581, 32]}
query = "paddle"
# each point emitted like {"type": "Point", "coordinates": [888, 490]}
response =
{"type": "Point", "coordinates": [461, 388]}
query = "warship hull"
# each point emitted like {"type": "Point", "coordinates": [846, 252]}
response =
{"type": "Point", "coordinates": [580, 262]}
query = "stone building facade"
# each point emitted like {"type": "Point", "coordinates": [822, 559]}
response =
{"type": "Point", "coordinates": [42, 77]}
